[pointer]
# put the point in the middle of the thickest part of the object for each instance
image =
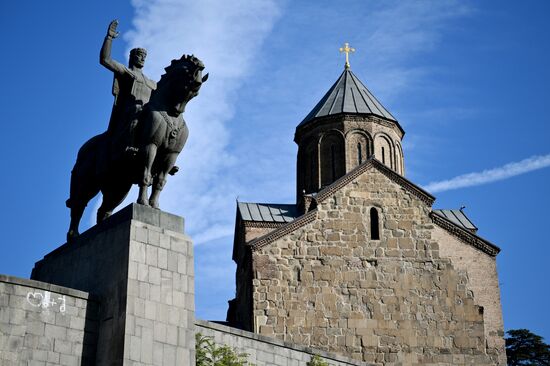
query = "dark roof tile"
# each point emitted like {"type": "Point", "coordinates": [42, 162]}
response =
{"type": "Point", "coordinates": [267, 212]}
{"type": "Point", "coordinates": [348, 95]}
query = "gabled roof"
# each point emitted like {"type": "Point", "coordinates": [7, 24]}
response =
{"type": "Point", "coordinates": [415, 190]}
{"type": "Point", "coordinates": [348, 95]}
{"type": "Point", "coordinates": [328, 191]}
{"type": "Point", "coordinates": [267, 212]}
{"type": "Point", "coordinates": [454, 221]}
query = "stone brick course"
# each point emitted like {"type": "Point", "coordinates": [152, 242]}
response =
{"type": "Point", "coordinates": [43, 324]}
{"type": "Point", "coordinates": [140, 265]}
{"type": "Point", "coordinates": [268, 351]}
{"type": "Point", "coordinates": [482, 282]}
{"type": "Point", "coordinates": [391, 301]}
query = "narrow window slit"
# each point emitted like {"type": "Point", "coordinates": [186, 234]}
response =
{"type": "Point", "coordinates": [374, 224]}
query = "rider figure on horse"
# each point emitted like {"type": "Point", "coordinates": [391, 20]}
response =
{"type": "Point", "coordinates": [131, 89]}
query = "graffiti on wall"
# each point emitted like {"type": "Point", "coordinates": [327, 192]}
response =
{"type": "Point", "coordinates": [47, 300]}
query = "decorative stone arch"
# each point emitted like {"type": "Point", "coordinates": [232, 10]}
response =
{"type": "Point", "coordinates": [308, 165]}
{"type": "Point", "coordinates": [384, 149]}
{"type": "Point", "coordinates": [358, 148]}
{"type": "Point", "coordinates": [332, 157]}
{"type": "Point", "coordinates": [399, 159]}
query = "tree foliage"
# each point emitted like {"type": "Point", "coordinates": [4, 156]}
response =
{"type": "Point", "coordinates": [524, 348]}
{"type": "Point", "coordinates": [317, 361]}
{"type": "Point", "coordinates": [208, 353]}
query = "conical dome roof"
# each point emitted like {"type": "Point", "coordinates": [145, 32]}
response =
{"type": "Point", "coordinates": [348, 95]}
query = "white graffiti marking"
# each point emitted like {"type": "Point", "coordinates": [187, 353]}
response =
{"type": "Point", "coordinates": [46, 301]}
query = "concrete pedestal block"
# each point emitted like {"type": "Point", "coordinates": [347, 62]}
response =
{"type": "Point", "coordinates": [139, 263]}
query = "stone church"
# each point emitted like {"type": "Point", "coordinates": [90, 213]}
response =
{"type": "Point", "coordinates": [362, 265]}
{"type": "Point", "coordinates": [360, 270]}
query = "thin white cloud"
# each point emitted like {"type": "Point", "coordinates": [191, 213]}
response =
{"type": "Point", "coordinates": [491, 175]}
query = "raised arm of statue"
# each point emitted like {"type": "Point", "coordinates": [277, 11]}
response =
{"type": "Point", "coordinates": [105, 54]}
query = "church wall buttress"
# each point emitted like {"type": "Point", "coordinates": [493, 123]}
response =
{"type": "Point", "coordinates": [483, 282]}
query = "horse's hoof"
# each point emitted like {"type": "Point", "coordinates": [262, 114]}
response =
{"type": "Point", "coordinates": [154, 204]}
{"type": "Point", "coordinates": [72, 235]}
{"type": "Point", "coordinates": [174, 170]}
{"type": "Point", "coordinates": [102, 216]}
{"type": "Point", "coordinates": [144, 202]}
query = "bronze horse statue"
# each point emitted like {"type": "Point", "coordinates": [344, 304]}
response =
{"type": "Point", "coordinates": [161, 133]}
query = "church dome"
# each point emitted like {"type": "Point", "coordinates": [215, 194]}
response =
{"type": "Point", "coordinates": [347, 127]}
{"type": "Point", "coordinates": [348, 95]}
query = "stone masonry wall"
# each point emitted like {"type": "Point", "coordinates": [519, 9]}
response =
{"type": "Point", "coordinates": [482, 274]}
{"type": "Point", "coordinates": [239, 308]}
{"type": "Point", "coordinates": [391, 301]}
{"type": "Point", "coordinates": [46, 325]}
{"type": "Point", "coordinates": [267, 351]}
{"type": "Point", "coordinates": [139, 263]}
{"type": "Point", "coordinates": [161, 298]}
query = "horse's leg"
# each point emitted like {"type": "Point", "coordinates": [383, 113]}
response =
{"type": "Point", "coordinates": [147, 178]}
{"type": "Point", "coordinates": [84, 182]}
{"type": "Point", "coordinates": [160, 179]}
{"type": "Point", "coordinates": [113, 195]}
{"type": "Point", "coordinates": [76, 214]}
{"type": "Point", "coordinates": [77, 202]}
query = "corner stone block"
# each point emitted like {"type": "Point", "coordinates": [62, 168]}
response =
{"type": "Point", "coordinates": [124, 261]}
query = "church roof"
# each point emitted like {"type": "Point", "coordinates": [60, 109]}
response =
{"type": "Point", "coordinates": [348, 95]}
{"type": "Point", "coordinates": [457, 217]}
{"type": "Point", "coordinates": [455, 221]}
{"type": "Point", "coordinates": [267, 212]}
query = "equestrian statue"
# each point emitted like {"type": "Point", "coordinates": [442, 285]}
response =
{"type": "Point", "coordinates": [145, 135]}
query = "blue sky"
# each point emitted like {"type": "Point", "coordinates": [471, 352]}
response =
{"type": "Point", "coordinates": [468, 81]}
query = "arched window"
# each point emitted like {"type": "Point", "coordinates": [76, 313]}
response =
{"type": "Point", "coordinates": [374, 224]}
{"type": "Point", "coordinates": [333, 162]}
{"type": "Point", "coordinates": [383, 150]}
{"type": "Point", "coordinates": [332, 158]}
{"type": "Point", "coordinates": [357, 146]}
{"type": "Point", "coordinates": [312, 173]}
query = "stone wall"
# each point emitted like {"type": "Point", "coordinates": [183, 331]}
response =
{"type": "Point", "coordinates": [267, 351]}
{"type": "Point", "coordinates": [390, 301]}
{"type": "Point", "coordinates": [239, 308]}
{"type": "Point", "coordinates": [43, 324]}
{"type": "Point", "coordinates": [140, 265]}
{"type": "Point", "coordinates": [481, 269]}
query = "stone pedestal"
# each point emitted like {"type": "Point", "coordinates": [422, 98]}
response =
{"type": "Point", "coordinates": [139, 263]}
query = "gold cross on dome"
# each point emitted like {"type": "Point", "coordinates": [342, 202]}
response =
{"type": "Point", "coordinates": [347, 49]}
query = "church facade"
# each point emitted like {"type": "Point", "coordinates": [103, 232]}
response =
{"type": "Point", "coordinates": [362, 265]}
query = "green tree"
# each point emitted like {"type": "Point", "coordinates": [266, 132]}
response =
{"type": "Point", "coordinates": [524, 348]}
{"type": "Point", "coordinates": [208, 353]}
{"type": "Point", "coordinates": [317, 361]}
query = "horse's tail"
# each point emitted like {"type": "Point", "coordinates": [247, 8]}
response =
{"type": "Point", "coordinates": [87, 171]}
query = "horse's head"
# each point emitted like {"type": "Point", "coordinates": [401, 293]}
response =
{"type": "Point", "coordinates": [180, 83]}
